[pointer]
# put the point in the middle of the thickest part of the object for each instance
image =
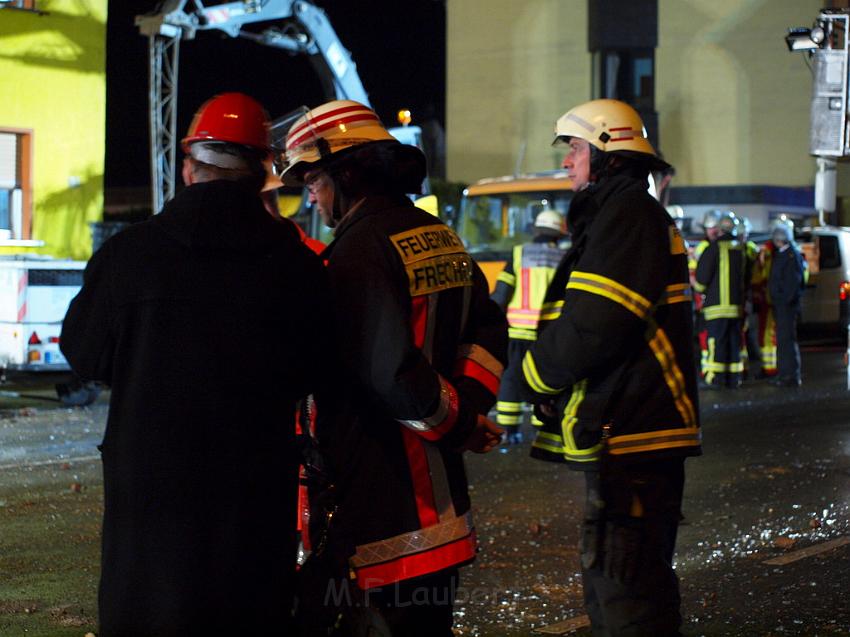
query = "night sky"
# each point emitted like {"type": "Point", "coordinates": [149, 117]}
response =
{"type": "Point", "coordinates": [399, 49]}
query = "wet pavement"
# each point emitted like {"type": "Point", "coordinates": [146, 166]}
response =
{"type": "Point", "coordinates": [774, 479]}
{"type": "Point", "coordinates": [773, 485]}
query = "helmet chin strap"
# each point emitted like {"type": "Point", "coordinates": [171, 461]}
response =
{"type": "Point", "coordinates": [599, 162]}
{"type": "Point", "coordinates": [336, 209]}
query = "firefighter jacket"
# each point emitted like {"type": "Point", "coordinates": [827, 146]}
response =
{"type": "Point", "coordinates": [723, 274]}
{"type": "Point", "coordinates": [522, 285]}
{"type": "Point", "coordinates": [618, 361]}
{"type": "Point", "coordinates": [423, 349]}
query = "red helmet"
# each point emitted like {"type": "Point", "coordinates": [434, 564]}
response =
{"type": "Point", "coordinates": [230, 117]}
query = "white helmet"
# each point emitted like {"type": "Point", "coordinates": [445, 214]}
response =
{"type": "Point", "coordinates": [326, 130]}
{"type": "Point", "coordinates": [551, 220]}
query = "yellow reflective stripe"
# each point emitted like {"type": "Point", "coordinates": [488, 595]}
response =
{"type": "Point", "coordinates": [666, 357]}
{"type": "Point", "coordinates": [609, 288]}
{"type": "Point", "coordinates": [505, 419]}
{"type": "Point", "coordinates": [712, 312]}
{"type": "Point", "coordinates": [572, 451]}
{"type": "Point", "coordinates": [707, 363]}
{"type": "Point", "coordinates": [676, 293]}
{"type": "Point", "coordinates": [699, 287]}
{"type": "Point", "coordinates": [654, 441]}
{"type": "Point", "coordinates": [548, 442]}
{"type": "Point", "coordinates": [507, 277]}
{"type": "Point", "coordinates": [552, 310]}
{"type": "Point", "coordinates": [508, 405]}
{"type": "Point", "coordinates": [724, 272]}
{"type": "Point", "coordinates": [521, 334]}
{"type": "Point", "coordinates": [532, 377]}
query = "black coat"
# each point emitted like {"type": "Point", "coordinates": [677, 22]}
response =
{"type": "Point", "coordinates": [205, 322]}
{"type": "Point", "coordinates": [785, 282]}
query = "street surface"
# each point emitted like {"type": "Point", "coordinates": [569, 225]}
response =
{"type": "Point", "coordinates": [764, 548]}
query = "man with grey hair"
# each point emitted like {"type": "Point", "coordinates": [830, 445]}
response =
{"type": "Point", "coordinates": [207, 322]}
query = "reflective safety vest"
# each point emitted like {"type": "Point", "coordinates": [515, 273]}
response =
{"type": "Point", "coordinates": [528, 275]}
{"type": "Point", "coordinates": [723, 273]}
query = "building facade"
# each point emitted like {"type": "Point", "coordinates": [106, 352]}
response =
{"type": "Point", "coordinates": [732, 103]}
{"type": "Point", "coordinates": [52, 124]}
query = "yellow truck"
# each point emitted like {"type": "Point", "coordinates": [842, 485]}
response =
{"type": "Point", "coordinates": [498, 213]}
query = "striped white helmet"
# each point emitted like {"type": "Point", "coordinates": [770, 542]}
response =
{"type": "Point", "coordinates": [326, 130]}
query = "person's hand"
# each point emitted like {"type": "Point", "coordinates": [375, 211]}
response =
{"type": "Point", "coordinates": [485, 437]}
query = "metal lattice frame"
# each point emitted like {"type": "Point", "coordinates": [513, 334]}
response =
{"type": "Point", "coordinates": [164, 64]}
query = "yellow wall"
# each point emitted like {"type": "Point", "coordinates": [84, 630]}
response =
{"type": "Point", "coordinates": [733, 103]}
{"type": "Point", "coordinates": [53, 81]}
{"type": "Point", "coordinates": [511, 69]}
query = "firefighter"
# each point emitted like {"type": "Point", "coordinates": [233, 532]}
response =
{"type": "Point", "coordinates": [423, 349]}
{"type": "Point", "coordinates": [786, 282]}
{"type": "Point", "coordinates": [520, 290]}
{"type": "Point", "coordinates": [208, 321]}
{"type": "Point", "coordinates": [613, 371]}
{"type": "Point", "coordinates": [722, 275]}
{"type": "Point", "coordinates": [762, 301]}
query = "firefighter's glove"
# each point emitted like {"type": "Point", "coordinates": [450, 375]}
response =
{"type": "Point", "coordinates": [621, 552]}
{"type": "Point", "coordinates": [485, 437]}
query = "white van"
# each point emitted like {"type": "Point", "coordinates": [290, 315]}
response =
{"type": "Point", "coordinates": [827, 297]}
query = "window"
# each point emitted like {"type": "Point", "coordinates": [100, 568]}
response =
{"type": "Point", "coordinates": [15, 184]}
{"type": "Point", "coordinates": [830, 256]}
{"type": "Point", "coordinates": [18, 4]}
{"type": "Point", "coordinates": [627, 75]}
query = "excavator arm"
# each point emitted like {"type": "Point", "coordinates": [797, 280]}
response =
{"type": "Point", "coordinates": [296, 26]}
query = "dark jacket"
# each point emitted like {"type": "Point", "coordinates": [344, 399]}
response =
{"type": "Point", "coordinates": [423, 349]}
{"type": "Point", "coordinates": [205, 321]}
{"type": "Point", "coordinates": [618, 359]}
{"type": "Point", "coordinates": [785, 283]}
{"type": "Point", "coordinates": [723, 274]}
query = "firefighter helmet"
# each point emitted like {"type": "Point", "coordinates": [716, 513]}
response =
{"type": "Point", "coordinates": [784, 226]}
{"type": "Point", "coordinates": [729, 223]}
{"type": "Point", "coordinates": [230, 117]}
{"type": "Point", "coordinates": [609, 125]}
{"type": "Point", "coordinates": [711, 219]}
{"type": "Point", "coordinates": [326, 130]}
{"type": "Point", "coordinates": [551, 220]}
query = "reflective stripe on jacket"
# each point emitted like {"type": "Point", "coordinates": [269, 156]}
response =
{"type": "Point", "coordinates": [723, 273]}
{"type": "Point", "coordinates": [617, 354]}
{"type": "Point", "coordinates": [423, 349]}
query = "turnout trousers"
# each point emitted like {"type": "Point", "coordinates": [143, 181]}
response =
{"type": "Point", "coordinates": [723, 365]}
{"type": "Point", "coordinates": [787, 350]}
{"type": "Point", "coordinates": [632, 515]}
{"type": "Point", "coordinates": [509, 406]}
